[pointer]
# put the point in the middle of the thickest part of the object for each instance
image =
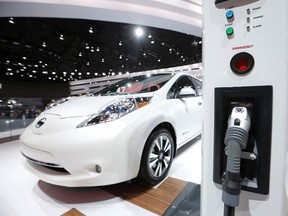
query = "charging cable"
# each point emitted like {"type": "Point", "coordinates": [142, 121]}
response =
{"type": "Point", "coordinates": [235, 140]}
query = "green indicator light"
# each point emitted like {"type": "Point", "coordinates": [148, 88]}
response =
{"type": "Point", "coordinates": [229, 31]}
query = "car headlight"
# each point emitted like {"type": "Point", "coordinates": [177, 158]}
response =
{"type": "Point", "coordinates": [116, 110]}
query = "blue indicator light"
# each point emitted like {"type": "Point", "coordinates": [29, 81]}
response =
{"type": "Point", "coordinates": [229, 14]}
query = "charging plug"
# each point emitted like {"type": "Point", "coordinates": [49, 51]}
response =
{"type": "Point", "coordinates": [236, 138]}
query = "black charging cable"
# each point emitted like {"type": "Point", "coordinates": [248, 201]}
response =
{"type": "Point", "coordinates": [236, 138]}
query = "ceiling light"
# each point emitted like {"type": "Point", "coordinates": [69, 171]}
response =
{"type": "Point", "coordinates": [120, 43]}
{"type": "Point", "coordinates": [24, 57]}
{"type": "Point", "coordinates": [152, 41]}
{"type": "Point", "coordinates": [139, 32]}
{"type": "Point", "coordinates": [11, 20]}
{"type": "Point", "coordinates": [97, 49]}
{"type": "Point", "coordinates": [87, 46]}
{"type": "Point", "coordinates": [61, 37]}
{"type": "Point", "coordinates": [149, 36]}
{"type": "Point", "coordinates": [80, 54]}
{"type": "Point", "coordinates": [43, 44]}
{"type": "Point", "coordinates": [91, 30]}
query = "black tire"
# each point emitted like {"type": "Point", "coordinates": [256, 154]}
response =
{"type": "Point", "coordinates": [156, 158]}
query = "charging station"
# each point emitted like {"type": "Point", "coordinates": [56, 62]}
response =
{"type": "Point", "coordinates": [245, 78]}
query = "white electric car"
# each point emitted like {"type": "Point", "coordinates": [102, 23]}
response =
{"type": "Point", "coordinates": [129, 130]}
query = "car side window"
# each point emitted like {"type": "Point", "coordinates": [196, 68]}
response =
{"type": "Point", "coordinates": [182, 82]}
{"type": "Point", "coordinates": [185, 82]}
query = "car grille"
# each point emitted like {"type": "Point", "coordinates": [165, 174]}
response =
{"type": "Point", "coordinates": [52, 166]}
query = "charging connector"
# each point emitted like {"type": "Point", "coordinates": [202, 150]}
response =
{"type": "Point", "coordinates": [236, 138]}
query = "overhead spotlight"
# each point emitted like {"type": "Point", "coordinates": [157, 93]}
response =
{"type": "Point", "coordinates": [159, 60]}
{"type": "Point", "coordinates": [44, 44]}
{"type": "Point", "coordinates": [61, 37]}
{"type": "Point", "coordinates": [149, 35]}
{"type": "Point", "coordinates": [152, 41]}
{"type": "Point", "coordinates": [102, 60]}
{"type": "Point", "coordinates": [98, 49]}
{"type": "Point", "coordinates": [80, 54]}
{"type": "Point", "coordinates": [120, 43]}
{"type": "Point", "coordinates": [139, 32]}
{"type": "Point", "coordinates": [200, 42]}
{"type": "Point", "coordinates": [91, 30]}
{"type": "Point", "coordinates": [162, 43]}
{"type": "Point", "coordinates": [11, 20]}
{"type": "Point", "coordinates": [87, 46]}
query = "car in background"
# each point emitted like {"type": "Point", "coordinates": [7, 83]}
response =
{"type": "Point", "coordinates": [131, 129]}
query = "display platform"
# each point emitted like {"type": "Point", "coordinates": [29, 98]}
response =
{"type": "Point", "coordinates": [24, 194]}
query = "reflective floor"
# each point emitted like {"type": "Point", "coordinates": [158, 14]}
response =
{"type": "Point", "coordinates": [22, 194]}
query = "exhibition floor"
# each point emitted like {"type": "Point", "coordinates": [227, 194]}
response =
{"type": "Point", "coordinates": [22, 194]}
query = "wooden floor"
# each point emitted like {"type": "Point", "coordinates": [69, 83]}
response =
{"type": "Point", "coordinates": [156, 200]}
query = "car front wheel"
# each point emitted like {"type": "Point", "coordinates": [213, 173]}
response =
{"type": "Point", "coordinates": [157, 157]}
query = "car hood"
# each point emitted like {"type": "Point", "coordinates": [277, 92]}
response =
{"type": "Point", "coordinates": [85, 105]}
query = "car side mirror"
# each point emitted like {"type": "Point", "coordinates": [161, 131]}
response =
{"type": "Point", "coordinates": [186, 92]}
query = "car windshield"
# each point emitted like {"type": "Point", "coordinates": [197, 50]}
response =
{"type": "Point", "coordinates": [136, 84]}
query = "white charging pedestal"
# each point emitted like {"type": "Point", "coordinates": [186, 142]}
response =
{"type": "Point", "coordinates": [258, 28]}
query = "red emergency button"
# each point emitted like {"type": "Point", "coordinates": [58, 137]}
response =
{"type": "Point", "coordinates": [242, 63]}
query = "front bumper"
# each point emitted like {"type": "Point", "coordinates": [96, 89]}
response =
{"type": "Point", "coordinates": [91, 156]}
